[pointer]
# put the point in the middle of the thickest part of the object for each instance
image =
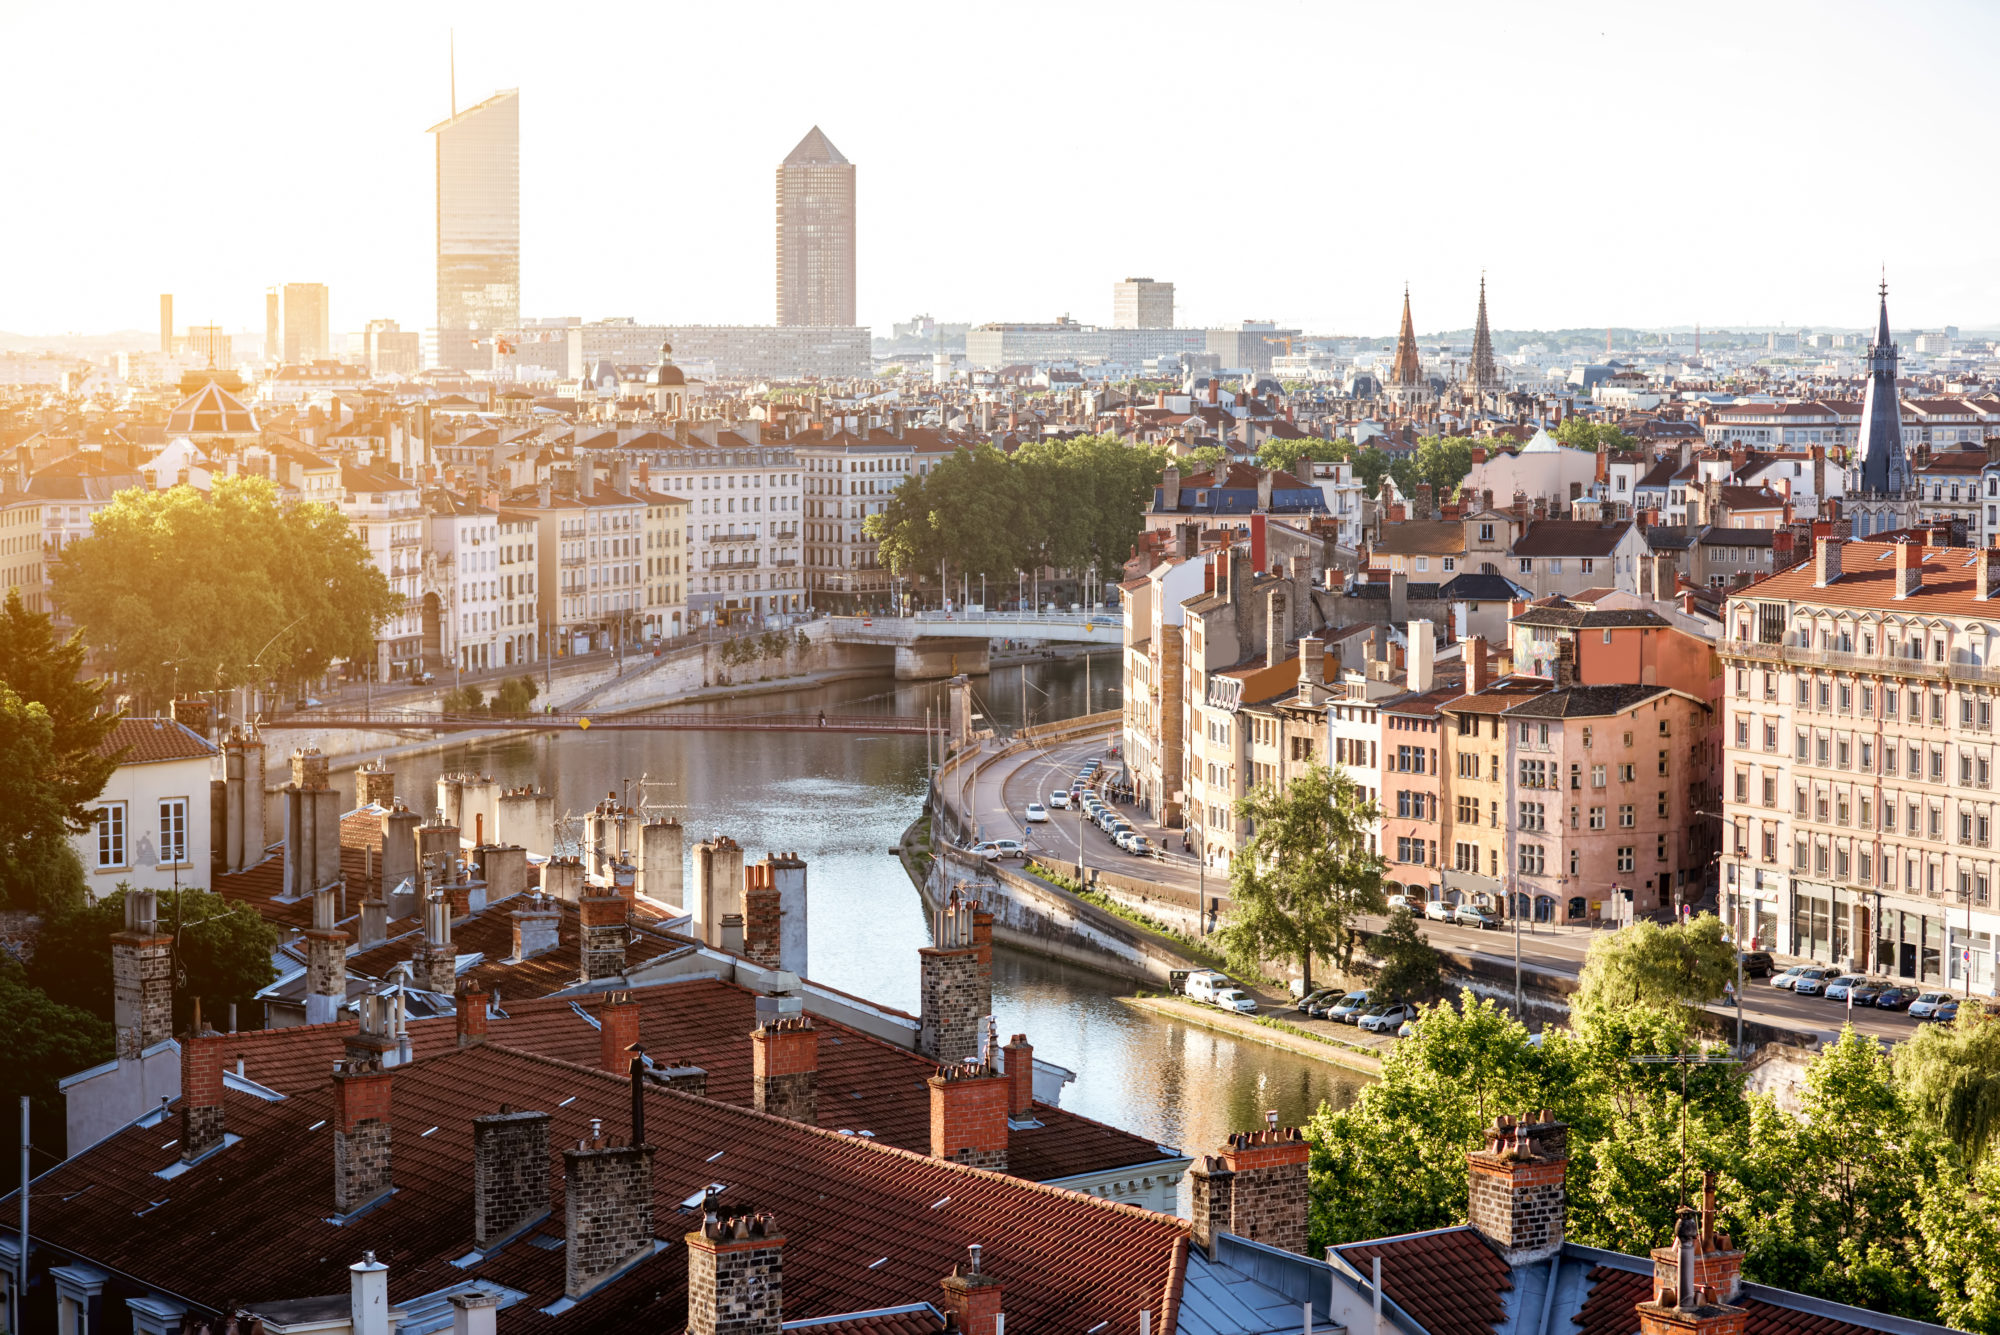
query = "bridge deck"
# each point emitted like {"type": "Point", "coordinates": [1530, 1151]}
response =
{"type": "Point", "coordinates": [673, 722]}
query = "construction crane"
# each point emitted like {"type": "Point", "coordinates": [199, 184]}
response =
{"type": "Point", "coordinates": [1285, 339]}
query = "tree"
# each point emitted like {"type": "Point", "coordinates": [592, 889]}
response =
{"type": "Point", "coordinates": [1410, 967]}
{"type": "Point", "coordinates": [1208, 456]}
{"type": "Point", "coordinates": [1953, 1076]}
{"type": "Point", "coordinates": [1959, 1233]}
{"type": "Point", "coordinates": [516, 695]}
{"type": "Point", "coordinates": [221, 590]}
{"type": "Point", "coordinates": [1442, 463]}
{"type": "Point", "coordinates": [33, 814]}
{"type": "Point", "coordinates": [464, 700]}
{"type": "Point", "coordinates": [1371, 465]}
{"type": "Point", "coordinates": [1306, 873]}
{"type": "Point", "coordinates": [1685, 965]}
{"type": "Point", "coordinates": [50, 672]}
{"type": "Point", "coordinates": [222, 953]}
{"type": "Point", "coordinates": [1285, 454]}
{"type": "Point", "coordinates": [46, 1041]}
{"type": "Point", "coordinates": [1582, 434]}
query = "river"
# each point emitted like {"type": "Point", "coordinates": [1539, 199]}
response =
{"type": "Point", "coordinates": [841, 801]}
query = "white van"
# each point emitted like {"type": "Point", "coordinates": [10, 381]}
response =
{"type": "Point", "coordinates": [1205, 984]}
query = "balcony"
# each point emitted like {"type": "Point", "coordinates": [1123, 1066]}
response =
{"type": "Point", "coordinates": [750, 564]}
{"type": "Point", "coordinates": [406, 542]}
{"type": "Point", "coordinates": [1880, 665]}
{"type": "Point", "coordinates": [785, 562]}
{"type": "Point", "coordinates": [733, 537]}
{"type": "Point", "coordinates": [571, 562]}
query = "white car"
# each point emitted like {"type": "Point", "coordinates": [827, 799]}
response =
{"type": "Point", "coordinates": [1927, 1003]}
{"type": "Point", "coordinates": [1205, 985]}
{"type": "Point", "coordinates": [995, 849]}
{"type": "Point", "coordinates": [1035, 814]}
{"type": "Point", "coordinates": [1439, 911]}
{"type": "Point", "coordinates": [1059, 800]}
{"type": "Point", "coordinates": [1235, 999]}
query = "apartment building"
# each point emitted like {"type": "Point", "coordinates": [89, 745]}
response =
{"type": "Point", "coordinates": [21, 549]}
{"type": "Point", "coordinates": [742, 524]}
{"type": "Point", "coordinates": [465, 552]}
{"type": "Point", "coordinates": [1154, 678]}
{"type": "Point", "coordinates": [665, 573]}
{"type": "Point", "coordinates": [588, 563]}
{"type": "Point", "coordinates": [847, 479]}
{"type": "Point", "coordinates": [520, 628]}
{"type": "Point", "coordinates": [1477, 785]}
{"type": "Point", "coordinates": [1860, 760]}
{"type": "Point", "coordinates": [387, 513]}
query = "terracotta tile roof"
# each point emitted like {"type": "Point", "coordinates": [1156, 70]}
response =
{"type": "Point", "coordinates": [1868, 580]}
{"type": "Point", "coordinates": [251, 1220]}
{"type": "Point", "coordinates": [1422, 538]}
{"type": "Point", "coordinates": [145, 741]}
{"type": "Point", "coordinates": [1569, 537]}
{"type": "Point", "coordinates": [1450, 1280]}
{"type": "Point", "coordinates": [917, 1319]}
{"type": "Point", "coordinates": [491, 933]}
{"type": "Point", "coordinates": [1608, 1310]}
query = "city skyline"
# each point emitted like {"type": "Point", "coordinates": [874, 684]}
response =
{"type": "Point", "coordinates": [1328, 258]}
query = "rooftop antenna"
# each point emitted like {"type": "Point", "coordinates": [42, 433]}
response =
{"type": "Point", "coordinates": [1685, 1060]}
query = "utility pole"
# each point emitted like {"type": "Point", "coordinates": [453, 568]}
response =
{"type": "Point", "coordinates": [1513, 911]}
{"type": "Point", "coordinates": [21, 1260]}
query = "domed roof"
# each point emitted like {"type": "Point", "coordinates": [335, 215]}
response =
{"type": "Point", "coordinates": [211, 410]}
{"type": "Point", "coordinates": [666, 373]}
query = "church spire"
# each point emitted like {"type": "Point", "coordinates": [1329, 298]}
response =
{"type": "Point", "coordinates": [1482, 375]}
{"type": "Point", "coordinates": [1407, 372]}
{"type": "Point", "coordinates": [1885, 469]}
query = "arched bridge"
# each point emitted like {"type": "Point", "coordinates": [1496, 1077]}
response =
{"type": "Point", "coordinates": [415, 721]}
{"type": "Point", "coordinates": [943, 644]}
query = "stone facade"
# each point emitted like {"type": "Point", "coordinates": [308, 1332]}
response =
{"type": "Point", "coordinates": [969, 1116]}
{"type": "Point", "coordinates": [510, 1174]}
{"type": "Point", "coordinates": [1267, 1187]}
{"type": "Point", "coordinates": [142, 988]}
{"type": "Point", "coordinates": [761, 915]}
{"type": "Point", "coordinates": [1517, 1199]}
{"type": "Point", "coordinates": [609, 1212]}
{"type": "Point", "coordinates": [951, 1003]}
{"type": "Point", "coordinates": [784, 1059]}
{"type": "Point", "coordinates": [1211, 1190]}
{"type": "Point", "coordinates": [360, 1136]}
{"type": "Point", "coordinates": [604, 935]}
{"type": "Point", "coordinates": [326, 973]}
{"type": "Point", "coordinates": [736, 1277]}
{"type": "Point", "coordinates": [378, 785]}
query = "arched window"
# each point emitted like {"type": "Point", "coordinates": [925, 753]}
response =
{"type": "Point", "coordinates": [1577, 908]}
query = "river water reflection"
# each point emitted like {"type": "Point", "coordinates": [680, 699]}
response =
{"type": "Point", "coordinates": [841, 801]}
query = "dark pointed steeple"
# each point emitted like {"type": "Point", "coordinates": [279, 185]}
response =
{"type": "Point", "coordinates": [1407, 372]}
{"type": "Point", "coordinates": [1885, 469]}
{"type": "Point", "coordinates": [1482, 375]}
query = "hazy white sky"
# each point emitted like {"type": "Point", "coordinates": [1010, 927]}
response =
{"type": "Point", "coordinates": [1633, 163]}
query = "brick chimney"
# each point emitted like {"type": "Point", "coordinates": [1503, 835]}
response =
{"type": "Point", "coordinates": [969, 1116]}
{"type": "Point", "coordinates": [972, 1297]}
{"type": "Point", "coordinates": [510, 1174]}
{"type": "Point", "coordinates": [760, 915]}
{"type": "Point", "coordinates": [1019, 1056]}
{"type": "Point", "coordinates": [537, 926]}
{"type": "Point", "coordinates": [1517, 1198]}
{"type": "Point", "coordinates": [1682, 1304]}
{"type": "Point", "coordinates": [1477, 673]}
{"type": "Point", "coordinates": [1718, 1263]}
{"type": "Point", "coordinates": [473, 999]}
{"type": "Point", "coordinates": [784, 1066]}
{"type": "Point", "coordinates": [360, 1134]}
{"type": "Point", "coordinates": [243, 802]}
{"type": "Point", "coordinates": [736, 1275]}
{"type": "Point", "coordinates": [954, 992]}
{"type": "Point", "coordinates": [326, 962]}
{"type": "Point", "coordinates": [608, 1210]}
{"type": "Point", "coordinates": [202, 1061]}
{"type": "Point", "coordinates": [1826, 561]}
{"type": "Point", "coordinates": [399, 846]}
{"type": "Point", "coordinates": [1256, 1189]}
{"type": "Point", "coordinates": [1986, 565]}
{"type": "Point", "coordinates": [377, 783]}
{"type": "Point", "coordinates": [605, 932]}
{"type": "Point", "coordinates": [1909, 568]}
{"type": "Point", "coordinates": [617, 1032]}
{"type": "Point", "coordinates": [141, 976]}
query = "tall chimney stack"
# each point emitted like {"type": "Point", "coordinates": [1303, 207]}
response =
{"type": "Point", "coordinates": [736, 1275]}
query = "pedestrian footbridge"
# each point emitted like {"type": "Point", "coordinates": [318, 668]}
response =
{"type": "Point", "coordinates": [944, 644]}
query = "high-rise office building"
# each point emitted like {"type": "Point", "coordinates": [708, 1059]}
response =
{"type": "Point", "coordinates": [1141, 303]}
{"type": "Point", "coordinates": [208, 343]}
{"type": "Point", "coordinates": [478, 229]}
{"type": "Point", "coordinates": [815, 234]}
{"type": "Point", "coordinates": [274, 328]}
{"type": "Point", "coordinates": [308, 324]}
{"type": "Point", "coordinates": [388, 349]}
{"type": "Point", "coordinates": [166, 324]}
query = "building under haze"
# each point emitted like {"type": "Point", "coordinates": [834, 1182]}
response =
{"type": "Point", "coordinates": [306, 331]}
{"type": "Point", "coordinates": [478, 229]}
{"type": "Point", "coordinates": [1141, 303]}
{"type": "Point", "coordinates": [815, 234]}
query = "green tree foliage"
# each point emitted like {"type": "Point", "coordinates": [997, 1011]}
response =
{"type": "Point", "coordinates": [516, 695]}
{"type": "Point", "coordinates": [1208, 456]}
{"type": "Point", "coordinates": [1072, 504]}
{"type": "Point", "coordinates": [1442, 463]}
{"type": "Point", "coordinates": [1306, 873]}
{"type": "Point", "coordinates": [1371, 465]}
{"type": "Point", "coordinates": [1286, 454]}
{"type": "Point", "coordinates": [222, 953]}
{"type": "Point", "coordinates": [39, 667]}
{"type": "Point", "coordinates": [1952, 1075]}
{"type": "Point", "coordinates": [1959, 1233]}
{"type": "Point", "coordinates": [1410, 967]}
{"type": "Point", "coordinates": [46, 1041]}
{"type": "Point", "coordinates": [33, 814]}
{"type": "Point", "coordinates": [221, 590]}
{"type": "Point", "coordinates": [1581, 434]}
{"type": "Point", "coordinates": [1684, 965]}
{"type": "Point", "coordinates": [464, 700]}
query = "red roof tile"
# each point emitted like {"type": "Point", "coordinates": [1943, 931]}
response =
{"type": "Point", "coordinates": [147, 740]}
{"type": "Point", "coordinates": [1450, 1280]}
{"type": "Point", "coordinates": [1614, 1294]}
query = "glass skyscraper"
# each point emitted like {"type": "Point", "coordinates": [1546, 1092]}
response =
{"type": "Point", "coordinates": [478, 230]}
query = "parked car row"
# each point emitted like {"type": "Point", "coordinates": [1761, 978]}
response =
{"type": "Point", "coordinates": [1084, 796]}
{"type": "Point", "coordinates": [1860, 989]}
{"type": "Point", "coordinates": [1438, 910]}
{"type": "Point", "coordinates": [1361, 1008]}
{"type": "Point", "coordinates": [1218, 989]}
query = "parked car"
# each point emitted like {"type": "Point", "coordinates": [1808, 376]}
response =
{"type": "Point", "coordinates": [1896, 997]}
{"type": "Point", "coordinates": [1837, 988]}
{"type": "Point", "coordinates": [1928, 1003]}
{"type": "Point", "coordinates": [1123, 837]}
{"type": "Point", "coordinates": [1472, 915]}
{"type": "Point", "coordinates": [1790, 977]}
{"type": "Point", "coordinates": [1203, 984]}
{"type": "Point", "coordinates": [1389, 1018]}
{"type": "Point", "coordinates": [1368, 1013]}
{"type": "Point", "coordinates": [1035, 814]}
{"type": "Point", "coordinates": [1059, 800]}
{"type": "Point", "coordinates": [1236, 999]}
{"type": "Point", "coordinates": [1438, 911]}
{"type": "Point", "coordinates": [1402, 902]}
{"type": "Point", "coordinates": [1348, 1009]}
{"type": "Point", "coordinates": [1314, 998]}
{"type": "Point", "coordinates": [1758, 964]}
{"type": "Point", "coordinates": [1812, 981]}
{"type": "Point", "coordinates": [1139, 846]}
{"type": "Point", "coordinates": [1409, 1027]}
{"type": "Point", "coordinates": [1870, 992]}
